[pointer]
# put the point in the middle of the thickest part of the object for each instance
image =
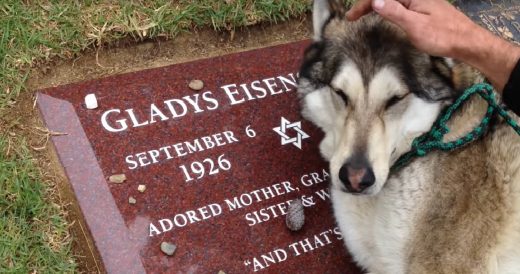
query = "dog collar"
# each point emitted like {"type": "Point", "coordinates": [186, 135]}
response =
{"type": "Point", "coordinates": [432, 140]}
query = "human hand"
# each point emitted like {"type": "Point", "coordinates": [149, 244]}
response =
{"type": "Point", "coordinates": [438, 28]}
{"type": "Point", "coordinates": [433, 26]}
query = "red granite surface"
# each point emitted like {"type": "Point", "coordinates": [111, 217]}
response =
{"type": "Point", "coordinates": [90, 154]}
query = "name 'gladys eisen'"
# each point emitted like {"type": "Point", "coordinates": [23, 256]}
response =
{"type": "Point", "coordinates": [117, 120]}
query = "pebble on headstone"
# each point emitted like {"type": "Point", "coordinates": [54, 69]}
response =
{"type": "Point", "coordinates": [196, 85]}
{"type": "Point", "coordinates": [168, 248]}
{"type": "Point", "coordinates": [91, 101]}
{"type": "Point", "coordinates": [221, 272]}
{"type": "Point", "coordinates": [141, 188]}
{"type": "Point", "coordinates": [295, 218]}
{"type": "Point", "coordinates": [132, 200]}
{"type": "Point", "coordinates": [117, 178]}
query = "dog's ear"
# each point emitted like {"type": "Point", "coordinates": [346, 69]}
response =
{"type": "Point", "coordinates": [323, 11]}
{"type": "Point", "coordinates": [458, 75]}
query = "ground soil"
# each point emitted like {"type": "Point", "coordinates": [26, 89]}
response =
{"type": "Point", "coordinates": [126, 56]}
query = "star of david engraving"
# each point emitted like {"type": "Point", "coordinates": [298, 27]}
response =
{"type": "Point", "coordinates": [286, 139]}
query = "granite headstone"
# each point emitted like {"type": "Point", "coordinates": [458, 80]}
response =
{"type": "Point", "coordinates": [208, 174]}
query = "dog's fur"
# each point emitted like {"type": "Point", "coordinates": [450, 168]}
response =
{"type": "Point", "coordinates": [455, 212]}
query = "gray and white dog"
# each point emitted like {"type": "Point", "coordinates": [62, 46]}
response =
{"type": "Point", "coordinates": [372, 93]}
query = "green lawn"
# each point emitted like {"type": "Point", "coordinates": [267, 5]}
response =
{"type": "Point", "coordinates": [33, 235]}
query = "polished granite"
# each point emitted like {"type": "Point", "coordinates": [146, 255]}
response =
{"type": "Point", "coordinates": [243, 128]}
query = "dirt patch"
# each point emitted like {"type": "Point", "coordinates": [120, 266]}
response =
{"type": "Point", "coordinates": [127, 57]}
{"type": "Point", "coordinates": [22, 120]}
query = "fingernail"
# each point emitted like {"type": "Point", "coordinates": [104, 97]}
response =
{"type": "Point", "coordinates": [379, 4]}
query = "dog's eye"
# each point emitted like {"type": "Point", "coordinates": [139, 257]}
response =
{"type": "Point", "coordinates": [394, 100]}
{"type": "Point", "coordinates": [341, 94]}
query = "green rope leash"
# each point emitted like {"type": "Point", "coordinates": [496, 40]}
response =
{"type": "Point", "coordinates": [432, 140]}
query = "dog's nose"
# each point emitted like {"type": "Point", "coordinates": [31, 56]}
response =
{"type": "Point", "coordinates": [356, 177]}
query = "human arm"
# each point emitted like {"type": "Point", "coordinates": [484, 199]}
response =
{"type": "Point", "coordinates": [438, 28]}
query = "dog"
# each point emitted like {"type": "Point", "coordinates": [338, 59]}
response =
{"type": "Point", "coordinates": [372, 93]}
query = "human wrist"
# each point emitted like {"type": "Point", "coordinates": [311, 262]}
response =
{"type": "Point", "coordinates": [491, 55]}
{"type": "Point", "coordinates": [471, 44]}
{"type": "Point", "coordinates": [498, 62]}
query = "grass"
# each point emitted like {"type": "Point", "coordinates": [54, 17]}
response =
{"type": "Point", "coordinates": [33, 229]}
{"type": "Point", "coordinates": [34, 234]}
{"type": "Point", "coordinates": [37, 32]}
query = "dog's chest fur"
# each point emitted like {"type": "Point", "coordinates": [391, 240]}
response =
{"type": "Point", "coordinates": [377, 229]}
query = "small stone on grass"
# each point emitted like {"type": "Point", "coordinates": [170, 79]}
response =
{"type": "Point", "coordinates": [141, 188]}
{"type": "Point", "coordinates": [132, 200]}
{"type": "Point", "coordinates": [117, 179]}
{"type": "Point", "coordinates": [196, 85]}
{"type": "Point", "coordinates": [168, 248]}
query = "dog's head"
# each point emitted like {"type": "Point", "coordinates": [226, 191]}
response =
{"type": "Point", "coordinates": [371, 92]}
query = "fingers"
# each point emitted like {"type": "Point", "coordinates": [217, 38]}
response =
{"type": "Point", "coordinates": [363, 7]}
{"type": "Point", "coordinates": [359, 9]}
{"type": "Point", "coordinates": [395, 12]}
{"type": "Point", "coordinates": [405, 3]}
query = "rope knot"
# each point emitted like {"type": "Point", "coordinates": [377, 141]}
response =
{"type": "Point", "coordinates": [436, 134]}
{"type": "Point", "coordinates": [433, 139]}
{"type": "Point", "coordinates": [421, 152]}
